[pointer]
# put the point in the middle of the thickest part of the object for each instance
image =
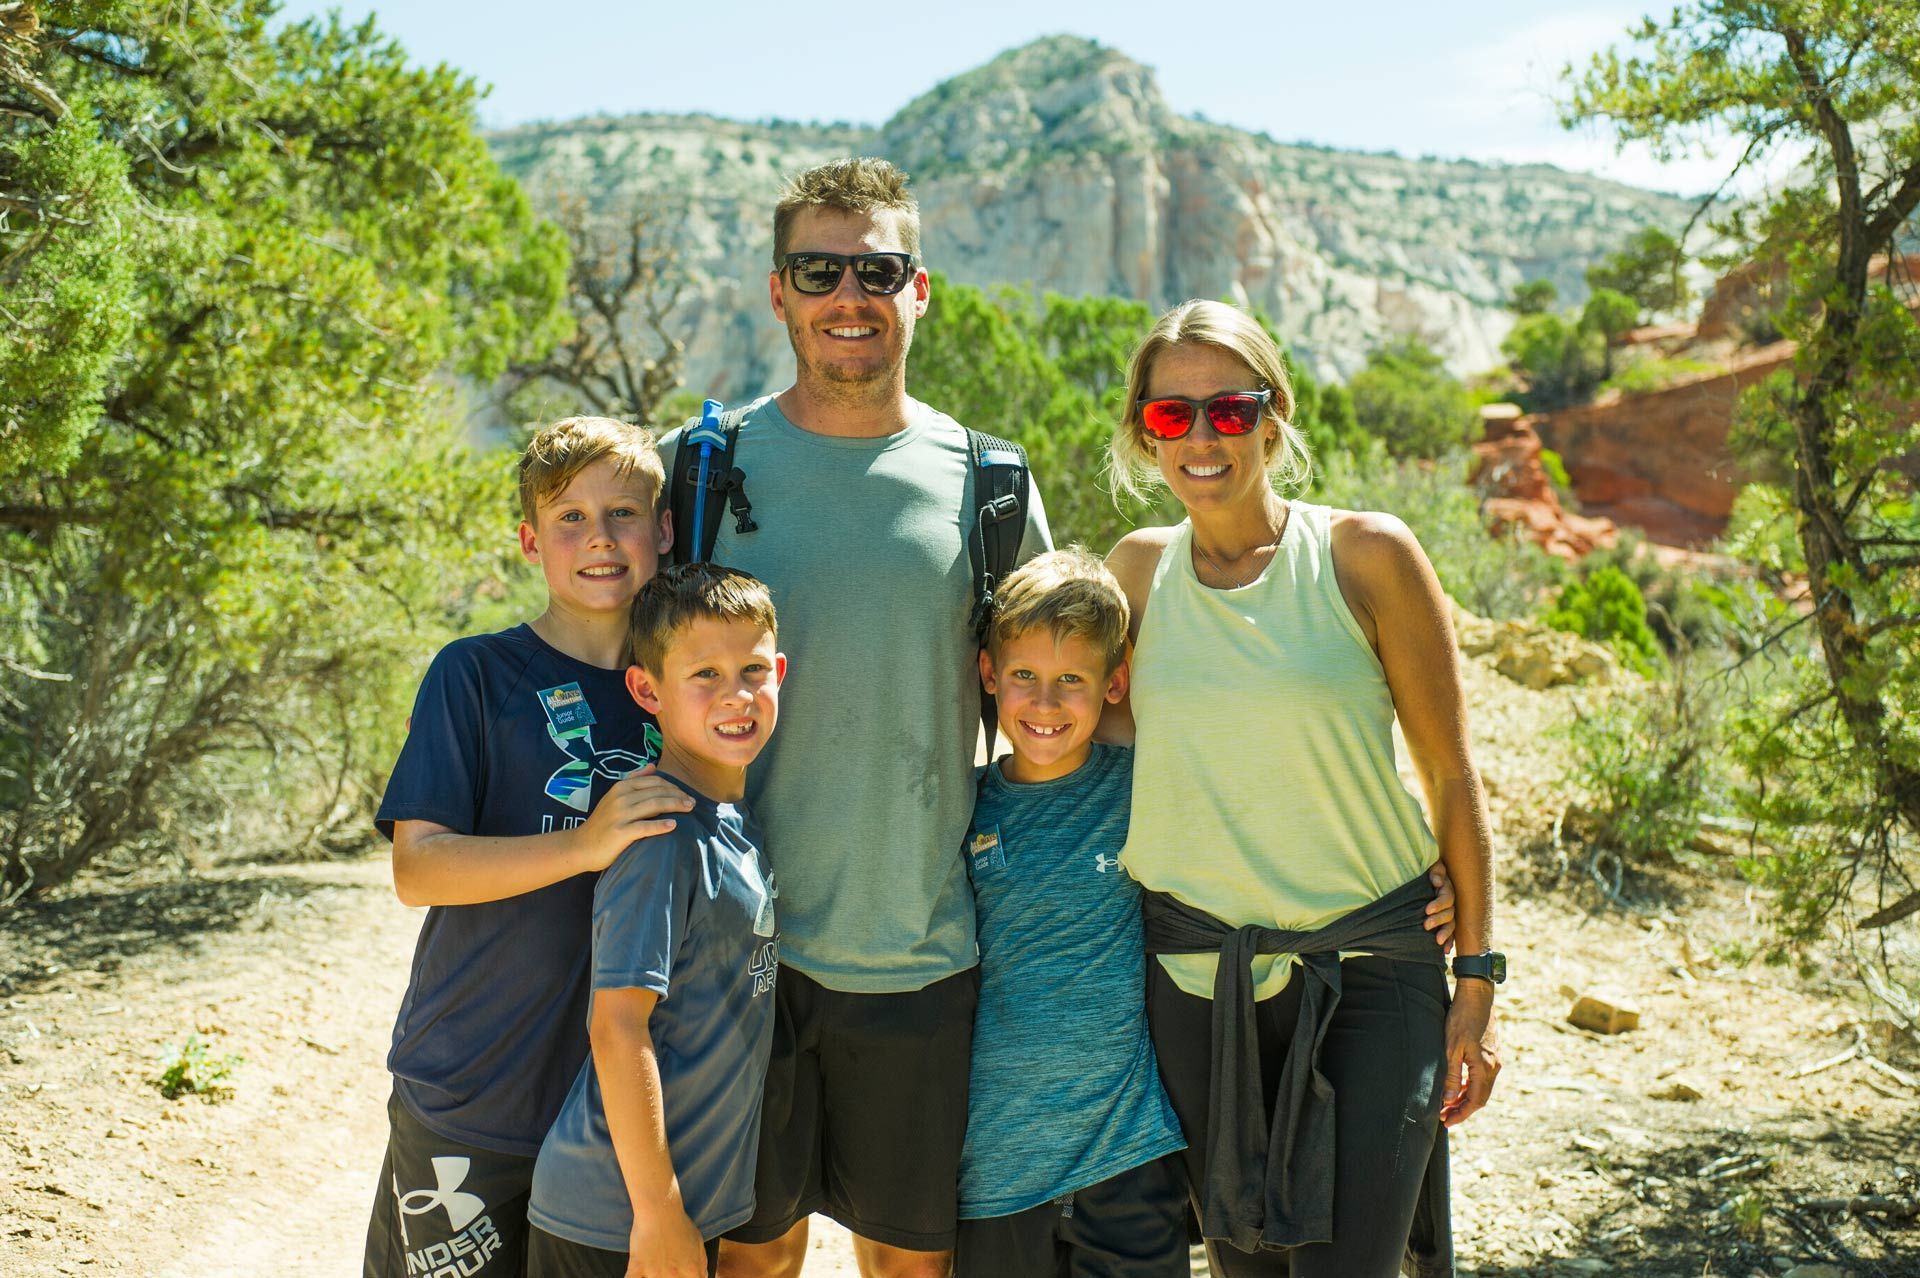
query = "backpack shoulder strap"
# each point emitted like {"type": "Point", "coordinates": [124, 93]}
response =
{"type": "Point", "coordinates": [726, 489]}
{"type": "Point", "coordinates": [1000, 486]}
{"type": "Point", "coordinates": [1000, 519]}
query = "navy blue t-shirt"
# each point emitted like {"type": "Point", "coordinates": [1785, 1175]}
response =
{"type": "Point", "coordinates": [509, 737]}
{"type": "Point", "coordinates": [689, 916]}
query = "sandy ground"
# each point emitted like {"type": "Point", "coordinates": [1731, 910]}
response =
{"type": "Point", "coordinates": [1578, 1167]}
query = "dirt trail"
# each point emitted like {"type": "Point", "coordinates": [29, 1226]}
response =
{"type": "Point", "coordinates": [1576, 1168]}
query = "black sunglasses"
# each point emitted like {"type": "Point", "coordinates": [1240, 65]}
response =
{"type": "Point", "coordinates": [881, 274]}
{"type": "Point", "coordinates": [1230, 413]}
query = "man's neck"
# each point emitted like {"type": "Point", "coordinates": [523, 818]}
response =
{"type": "Point", "coordinates": [846, 412]}
{"type": "Point", "coordinates": [589, 637]}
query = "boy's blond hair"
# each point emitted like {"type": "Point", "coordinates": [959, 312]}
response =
{"type": "Point", "coordinates": [561, 451]}
{"type": "Point", "coordinates": [682, 594]}
{"type": "Point", "coordinates": [862, 184]}
{"type": "Point", "coordinates": [1069, 592]}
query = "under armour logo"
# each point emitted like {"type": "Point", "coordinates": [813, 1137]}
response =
{"type": "Point", "coordinates": [1104, 863]}
{"type": "Point", "coordinates": [448, 1175]}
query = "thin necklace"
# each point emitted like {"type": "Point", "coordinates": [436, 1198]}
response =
{"type": "Point", "coordinates": [1233, 583]}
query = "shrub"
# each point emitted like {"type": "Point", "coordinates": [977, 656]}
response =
{"type": "Point", "coordinates": [190, 1069]}
{"type": "Point", "coordinates": [1645, 375]}
{"type": "Point", "coordinates": [1607, 607]}
{"type": "Point", "coordinates": [1406, 397]}
{"type": "Point", "coordinates": [1556, 470]}
{"type": "Point", "coordinates": [1644, 761]}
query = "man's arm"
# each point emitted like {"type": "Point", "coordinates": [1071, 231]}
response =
{"type": "Point", "coordinates": [435, 865]}
{"type": "Point", "coordinates": [664, 1242]}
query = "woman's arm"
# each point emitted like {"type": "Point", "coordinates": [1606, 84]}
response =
{"type": "Point", "coordinates": [1132, 562]}
{"type": "Point", "coordinates": [1393, 592]}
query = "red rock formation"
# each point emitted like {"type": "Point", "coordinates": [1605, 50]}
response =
{"type": "Point", "coordinates": [1520, 493]}
{"type": "Point", "coordinates": [1660, 460]}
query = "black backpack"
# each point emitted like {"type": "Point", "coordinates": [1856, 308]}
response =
{"type": "Point", "coordinates": [1000, 483]}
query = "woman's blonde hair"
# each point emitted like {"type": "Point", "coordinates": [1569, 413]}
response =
{"type": "Point", "coordinates": [1130, 461]}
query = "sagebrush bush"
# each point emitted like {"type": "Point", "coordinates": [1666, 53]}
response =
{"type": "Point", "coordinates": [1646, 764]}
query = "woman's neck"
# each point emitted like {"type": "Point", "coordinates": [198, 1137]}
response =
{"type": "Point", "coordinates": [1245, 528]}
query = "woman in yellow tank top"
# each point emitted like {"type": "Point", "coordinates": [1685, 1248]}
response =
{"type": "Point", "coordinates": [1276, 644]}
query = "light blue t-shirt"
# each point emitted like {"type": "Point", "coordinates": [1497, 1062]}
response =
{"type": "Point", "coordinates": [866, 788]}
{"type": "Point", "coordinates": [1064, 1089]}
{"type": "Point", "coordinates": [689, 915]}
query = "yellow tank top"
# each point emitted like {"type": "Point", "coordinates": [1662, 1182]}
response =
{"type": "Point", "coordinates": [1264, 788]}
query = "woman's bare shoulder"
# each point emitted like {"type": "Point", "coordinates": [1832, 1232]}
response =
{"type": "Point", "coordinates": [1139, 551]}
{"type": "Point", "coordinates": [1372, 542]}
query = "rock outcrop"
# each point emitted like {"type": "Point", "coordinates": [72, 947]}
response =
{"type": "Point", "coordinates": [1059, 165]}
{"type": "Point", "coordinates": [1520, 494]}
{"type": "Point", "coordinates": [1533, 655]}
{"type": "Point", "coordinates": [1661, 461]}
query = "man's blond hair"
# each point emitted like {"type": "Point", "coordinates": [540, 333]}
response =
{"type": "Point", "coordinates": [861, 184]}
{"type": "Point", "coordinates": [682, 594]}
{"type": "Point", "coordinates": [561, 451]}
{"type": "Point", "coordinates": [1067, 592]}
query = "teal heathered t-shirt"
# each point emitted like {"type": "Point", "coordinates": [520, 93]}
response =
{"type": "Point", "coordinates": [1065, 1091]}
{"type": "Point", "coordinates": [866, 789]}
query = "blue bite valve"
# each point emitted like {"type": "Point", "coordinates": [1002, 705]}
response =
{"type": "Point", "coordinates": [707, 433]}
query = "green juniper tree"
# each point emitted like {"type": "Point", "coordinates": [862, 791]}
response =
{"type": "Point", "coordinates": [1839, 761]}
{"type": "Point", "coordinates": [237, 264]}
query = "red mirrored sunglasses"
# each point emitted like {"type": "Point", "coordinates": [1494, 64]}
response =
{"type": "Point", "coordinates": [1229, 413]}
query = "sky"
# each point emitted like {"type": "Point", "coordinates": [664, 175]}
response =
{"type": "Point", "coordinates": [1475, 79]}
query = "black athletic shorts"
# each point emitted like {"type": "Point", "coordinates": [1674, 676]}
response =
{"type": "Point", "coordinates": [866, 1110]}
{"type": "Point", "coordinates": [444, 1208]}
{"type": "Point", "coordinates": [1133, 1225]}
{"type": "Point", "coordinates": [550, 1256]}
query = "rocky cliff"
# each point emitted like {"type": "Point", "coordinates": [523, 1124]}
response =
{"type": "Point", "coordinates": [1060, 165]}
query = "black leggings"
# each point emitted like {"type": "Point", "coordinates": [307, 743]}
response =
{"type": "Point", "coordinates": [1384, 1054]}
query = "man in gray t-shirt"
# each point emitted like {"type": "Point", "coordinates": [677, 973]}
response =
{"type": "Point", "coordinates": [863, 500]}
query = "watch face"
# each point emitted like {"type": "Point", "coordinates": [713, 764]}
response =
{"type": "Point", "coordinates": [1499, 968]}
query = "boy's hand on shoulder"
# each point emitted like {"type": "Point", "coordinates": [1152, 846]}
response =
{"type": "Point", "coordinates": [664, 1244]}
{"type": "Point", "coordinates": [635, 807]}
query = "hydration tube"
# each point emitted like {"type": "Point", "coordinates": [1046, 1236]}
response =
{"type": "Point", "coordinates": [707, 435]}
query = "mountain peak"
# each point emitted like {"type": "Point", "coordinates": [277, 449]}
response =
{"type": "Point", "coordinates": [1056, 93]}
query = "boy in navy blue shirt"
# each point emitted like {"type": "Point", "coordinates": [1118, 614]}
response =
{"type": "Point", "coordinates": [525, 771]}
{"type": "Point", "coordinates": [652, 1156]}
{"type": "Point", "coordinates": [1063, 1171]}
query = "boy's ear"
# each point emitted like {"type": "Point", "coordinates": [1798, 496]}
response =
{"type": "Point", "coordinates": [666, 533]}
{"type": "Point", "coordinates": [1117, 682]}
{"type": "Point", "coordinates": [779, 668]}
{"type": "Point", "coordinates": [644, 689]}
{"type": "Point", "coordinates": [529, 543]}
{"type": "Point", "coordinates": [986, 673]}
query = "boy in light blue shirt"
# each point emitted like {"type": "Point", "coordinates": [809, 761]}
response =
{"type": "Point", "coordinates": [1064, 1169]}
{"type": "Point", "coordinates": [651, 1158]}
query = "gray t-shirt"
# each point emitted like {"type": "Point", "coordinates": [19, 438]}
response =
{"type": "Point", "coordinates": [867, 787]}
{"type": "Point", "coordinates": [688, 915]}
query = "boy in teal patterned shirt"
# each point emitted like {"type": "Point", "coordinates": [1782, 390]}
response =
{"type": "Point", "coordinates": [1064, 1168]}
